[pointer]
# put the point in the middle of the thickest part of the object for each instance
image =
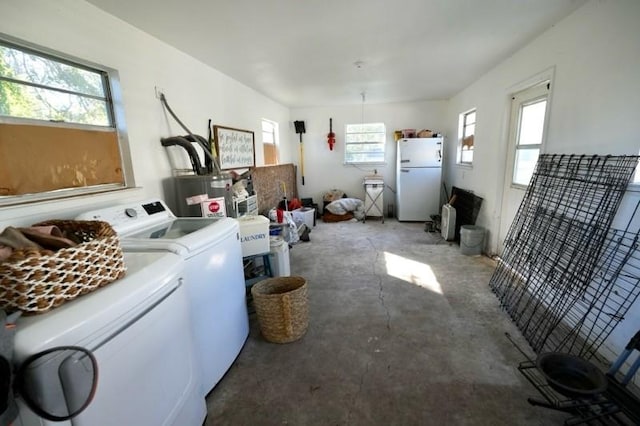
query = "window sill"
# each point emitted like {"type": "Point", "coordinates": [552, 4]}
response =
{"type": "Point", "coordinates": [384, 163]}
{"type": "Point", "coordinates": [519, 186]}
{"type": "Point", "coordinates": [25, 215]}
{"type": "Point", "coordinates": [634, 187]}
{"type": "Point", "coordinates": [56, 197]}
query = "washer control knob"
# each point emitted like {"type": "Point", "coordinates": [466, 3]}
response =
{"type": "Point", "coordinates": [131, 212]}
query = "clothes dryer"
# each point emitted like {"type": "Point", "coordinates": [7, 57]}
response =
{"type": "Point", "coordinates": [213, 272]}
{"type": "Point", "coordinates": [138, 331]}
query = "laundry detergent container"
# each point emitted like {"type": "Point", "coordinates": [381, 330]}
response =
{"type": "Point", "coordinates": [471, 240]}
{"type": "Point", "coordinates": [279, 256]}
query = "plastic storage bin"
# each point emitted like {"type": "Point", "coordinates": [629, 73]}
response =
{"type": "Point", "coordinates": [304, 215]}
{"type": "Point", "coordinates": [254, 235]}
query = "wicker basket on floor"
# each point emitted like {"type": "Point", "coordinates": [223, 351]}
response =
{"type": "Point", "coordinates": [36, 280]}
{"type": "Point", "coordinates": [281, 307]}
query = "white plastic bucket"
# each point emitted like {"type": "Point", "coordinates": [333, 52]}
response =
{"type": "Point", "coordinates": [471, 240]}
{"type": "Point", "coordinates": [279, 257]}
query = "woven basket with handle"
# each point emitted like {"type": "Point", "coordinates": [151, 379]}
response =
{"type": "Point", "coordinates": [281, 307]}
{"type": "Point", "coordinates": [36, 280]}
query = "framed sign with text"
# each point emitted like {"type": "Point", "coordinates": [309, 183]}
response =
{"type": "Point", "coordinates": [235, 147]}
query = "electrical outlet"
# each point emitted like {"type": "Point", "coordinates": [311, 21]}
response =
{"type": "Point", "coordinates": [159, 91]}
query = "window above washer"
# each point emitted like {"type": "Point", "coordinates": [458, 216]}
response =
{"type": "Point", "coordinates": [61, 127]}
{"type": "Point", "coordinates": [38, 86]}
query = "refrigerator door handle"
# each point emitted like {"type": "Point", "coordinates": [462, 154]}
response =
{"type": "Point", "coordinates": [404, 170]}
{"type": "Point", "coordinates": [439, 155]}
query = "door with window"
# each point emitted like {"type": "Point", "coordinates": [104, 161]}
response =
{"type": "Point", "coordinates": [527, 128]}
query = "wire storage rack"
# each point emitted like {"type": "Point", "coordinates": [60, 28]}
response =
{"type": "Point", "coordinates": [606, 300]}
{"type": "Point", "coordinates": [566, 277]}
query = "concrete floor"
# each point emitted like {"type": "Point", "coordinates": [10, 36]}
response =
{"type": "Point", "coordinates": [403, 330]}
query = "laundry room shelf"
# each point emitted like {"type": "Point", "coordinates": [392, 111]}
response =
{"type": "Point", "coordinates": [250, 265]}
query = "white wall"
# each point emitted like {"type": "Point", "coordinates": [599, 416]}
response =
{"type": "Point", "coordinates": [325, 169]}
{"type": "Point", "coordinates": [196, 93]}
{"type": "Point", "coordinates": [594, 58]}
{"type": "Point", "coordinates": [593, 55]}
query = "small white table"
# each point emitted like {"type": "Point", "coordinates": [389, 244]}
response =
{"type": "Point", "coordinates": [373, 200]}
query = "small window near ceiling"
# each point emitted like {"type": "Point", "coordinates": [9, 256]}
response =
{"type": "Point", "coordinates": [58, 129]}
{"type": "Point", "coordinates": [364, 143]}
{"type": "Point", "coordinates": [529, 109]}
{"type": "Point", "coordinates": [270, 141]}
{"type": "Point", "coordinates": [466, 130]}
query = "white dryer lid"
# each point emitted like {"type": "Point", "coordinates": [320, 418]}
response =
{"type": "Point", "coordinates": [95, 315]}
{"type": "Point", "coordinates": [182, 235]}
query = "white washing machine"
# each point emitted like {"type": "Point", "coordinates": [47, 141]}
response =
{"type": "Point", "coordinates": [135, 328]}
{"type": "Point", "coordinates": [213, 273]}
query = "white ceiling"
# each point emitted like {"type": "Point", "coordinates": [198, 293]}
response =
{"type": "Point", "coordinates": [303, 52]}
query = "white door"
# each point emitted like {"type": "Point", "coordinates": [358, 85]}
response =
{"type": "Point", "coordinates": [527, 131]}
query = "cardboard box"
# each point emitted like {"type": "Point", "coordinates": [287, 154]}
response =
{"type": "Point", "coordinates": [305, 215]}
{"type": "Point", "coordinates": [254, 235]}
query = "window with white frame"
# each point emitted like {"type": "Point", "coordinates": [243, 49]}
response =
{"type": "Point", "coordinates": [61, 114]}
{"type": "Point", "coordinates": [270, 141]}
{"type": "Point", "coordinates": [528, 110]}
{"type": "Point", "coordinates": [364, 143]}
{"type": "Point", "coordinates": [466, 130]}
{"type": "Point", "coordinates": [41, 87]}
{"type": "Point", "coordinates": [636, 175]}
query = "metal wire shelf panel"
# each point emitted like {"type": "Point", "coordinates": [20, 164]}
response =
{"type": "Point", "coordinates": [566, 277]}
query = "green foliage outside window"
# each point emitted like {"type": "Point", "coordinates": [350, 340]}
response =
{"type": "Point", "coordinates": [36, 87]}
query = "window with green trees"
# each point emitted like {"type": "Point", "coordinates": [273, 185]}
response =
{"type": "Point", "coordinates": [38, 87]}
{"type": "Point", "coordinates": [59, 135]}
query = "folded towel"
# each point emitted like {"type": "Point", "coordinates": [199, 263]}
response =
{"type": "Point", "coordinates": [46, 237]}
{"type": "Point", "coordinates": [5, 252]}
{"type": "Point", "coordinates": [12, 237]}
{"type": "Point", "coordinates": [49, 230]}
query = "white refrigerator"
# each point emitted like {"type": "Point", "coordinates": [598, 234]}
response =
{"type": "Point", "coordinates": [418, 178]}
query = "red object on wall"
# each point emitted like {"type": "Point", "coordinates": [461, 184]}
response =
{"type": "Point", "coordinates": [331, 137]}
